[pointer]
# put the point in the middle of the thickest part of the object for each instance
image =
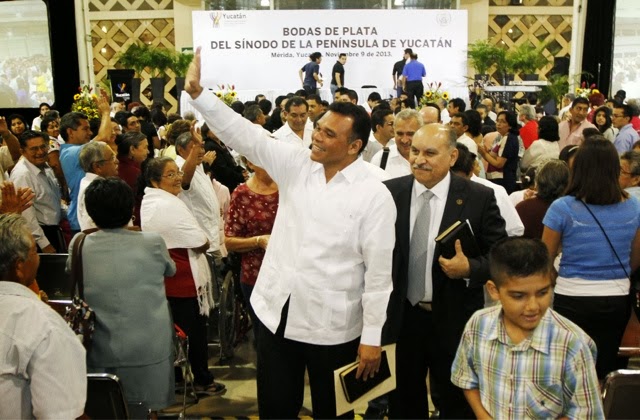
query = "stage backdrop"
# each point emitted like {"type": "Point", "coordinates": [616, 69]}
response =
{"type": "Point", "coordinates": [266, 49]}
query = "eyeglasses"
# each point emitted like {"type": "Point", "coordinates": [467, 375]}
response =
{"type": "Point", "coordinates": [617, 116]}
{"type": "Point", "coordinates": [174, 175]}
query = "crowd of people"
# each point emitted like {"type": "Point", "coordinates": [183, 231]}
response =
{"type": "Point", "coordinates": [334, 210]}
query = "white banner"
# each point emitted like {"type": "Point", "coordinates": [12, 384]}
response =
{"type": "Point", "coordinates": [266, 49]}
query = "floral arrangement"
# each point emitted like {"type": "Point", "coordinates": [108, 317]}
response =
{"type": "Point", "coordinates": [586, 91]}
{"type": "Point", "coordinates": [228, 95]}
{"type": "Point", "coordinates": [433, 93]}
{"type": "Point", "coordinates": [86, 102]}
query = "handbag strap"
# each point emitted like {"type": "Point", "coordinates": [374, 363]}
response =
{"type": "Point", "coordinates": [76, 266]}
{"type": "Point", "coordinates": [607, 237]}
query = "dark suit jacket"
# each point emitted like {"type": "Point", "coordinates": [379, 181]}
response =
{"type": "Point", "coordinates": [453, 300]}
{"type": "Point", "coordinates": [488, 126]}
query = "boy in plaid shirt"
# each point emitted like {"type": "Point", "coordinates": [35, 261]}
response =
{"type": "Point", "coordinates": [521, 359]}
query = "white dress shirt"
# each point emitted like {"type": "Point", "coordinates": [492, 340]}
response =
{"type": "Point", "coordinates": [85, 221]}
{"type": "Point", "coordinates": [438, 201]}
{"type": "Point", "coordinates": [46, 209]}
{"type": "Point", "coordinates": [397, 165]}
{"type": "Point", "coordinates": [373, 146]}
{"type": "Point", "coordinates": [224, 199]}
{"type": "Point", "coordinates": [331, 246]}
{"type": "Point", "coordinates": [376, 171]}
{"type": "Point", "coordinates": [202, 200]}
{"type": "Point", "coordinates": [286, 134]}
{"type": "Point", "coordinates": [514, 226]}
{"type": "Point", "coordinates": [539, 152]}
{"type": "Point", "coordinates": [43, 371]}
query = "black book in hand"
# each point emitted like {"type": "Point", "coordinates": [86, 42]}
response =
{"type": "Point", "coordinates": [459, 230]}
{"type": "Point", "coordinates": [356, 388]}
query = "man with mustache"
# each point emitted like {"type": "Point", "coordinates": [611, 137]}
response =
{"type": "Point", "coordinates": [406, 124]}
{"type": "Point", "coordinates": [433, 297]}
{"type": "Point", "coordinates": [33, 171]}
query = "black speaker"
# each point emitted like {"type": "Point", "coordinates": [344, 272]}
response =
{"type": "Point", "coordinates": [560, 66]}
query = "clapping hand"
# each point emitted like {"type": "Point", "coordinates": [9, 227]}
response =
{"type": "Point", "coordinates": [209, 157]}
{"type": "Point", "coordinates": [15, 201]}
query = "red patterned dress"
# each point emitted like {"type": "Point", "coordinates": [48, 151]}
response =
{"type": "Point", "coordinates": [249, 215]}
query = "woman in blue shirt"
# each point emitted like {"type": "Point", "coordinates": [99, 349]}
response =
{"type": "Point", "coordinates": [593, 284]}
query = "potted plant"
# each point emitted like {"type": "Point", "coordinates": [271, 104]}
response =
{"type": "Point", "coordinates": [179, 65]}
{"type": "Point", "coordinates": [504, 63]}
{"type": "Point", "coordinates": [158, 60]}
{"type": "Point", "coordinates": [482, 55]}
{"type": "Point", "coordinates": [134, 57]}
{"type": "Point", "coordinates": [527, 59]}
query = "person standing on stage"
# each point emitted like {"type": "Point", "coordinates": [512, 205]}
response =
{"type": "Point", "coordinates": [412, 75]}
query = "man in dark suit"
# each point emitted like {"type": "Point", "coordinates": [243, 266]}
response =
{"type": "Point", "coordinates": [433, 297]}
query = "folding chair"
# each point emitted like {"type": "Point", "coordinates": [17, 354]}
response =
{"type": "Point", "coordinates": [621, 388]}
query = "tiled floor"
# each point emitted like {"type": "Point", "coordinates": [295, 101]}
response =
{"type": "Point", "coordinates": [240, 400]}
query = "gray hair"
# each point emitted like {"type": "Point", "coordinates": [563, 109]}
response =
{"type": "Point", "coordinates": [15, 242]}
{"type": "Point", "coordinates": [570, 96]}
{"type": "Point", "coordinates": [528, 111]}
{"type": "Point", "coordinates": [183, 140]}
{"type": "Point", "coordinates": [252, 113]}
{"type": "Point", "coordinates": [410, 114]}
{"type": "Point", "coordinates": [633, 158]}
{"type": "Point", "coordinates": [91, 153]}
{"type": "Point", "coordinates": [552, 178]}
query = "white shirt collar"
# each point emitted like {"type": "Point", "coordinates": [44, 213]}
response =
{"type": "Point", "coordinates": [440, 190]}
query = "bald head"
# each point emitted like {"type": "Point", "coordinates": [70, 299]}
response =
{"type": "Point", "coordinates": [488, 102]}
{"type": "Point", "coordinates": [429, 114]}
{"type": "Point", "coordinates": [433, 152]}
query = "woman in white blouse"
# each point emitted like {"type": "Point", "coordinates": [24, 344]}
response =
{"type": "Point", "coordinates": [546, 147]}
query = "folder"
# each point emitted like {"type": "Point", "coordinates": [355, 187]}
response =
{"type": "Point", "coordinates": [354, 388]}
{"type": "Point", "coordinates": [459, 230]}
{"type": "Point", "coordinates": [356, 391]}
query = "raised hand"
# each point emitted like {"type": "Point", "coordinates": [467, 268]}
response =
{"type": "Point", "coordinates": [192, 81]}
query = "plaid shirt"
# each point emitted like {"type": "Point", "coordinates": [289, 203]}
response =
{"type": "Point", "coordinates": [548, 375]}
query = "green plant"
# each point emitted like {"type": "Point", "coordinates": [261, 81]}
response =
{"type": "Point", "coordinates": [558, 85]}
{"type": "Point", "coordinates": [140, 56]}
{"type": "Point", "coordinates": [134, 57]}
{"type": "Point", "coordinates": [180, 63]}
{"type": "Point", "coordinates": [504, 63]}
{"type": "Point", "coordinates": [159, 59]}
{"type": "Point", "coordinates": [482, 55]}
{"type": "Point", "coordinates": [526, 58]}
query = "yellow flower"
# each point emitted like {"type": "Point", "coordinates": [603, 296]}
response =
{"type": "Point", "coordinates": [595, 91]}
{"type": "Point", "coordinates": [219, 94]}
{"type": "Point", "coordinates": [76, 96]}
{"type": "Point", "coordinates": [428, 94]}
{"type": "Point", "coordinates": [233, 94]}
{"type": "Point", "coordinates": [445, 95]}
